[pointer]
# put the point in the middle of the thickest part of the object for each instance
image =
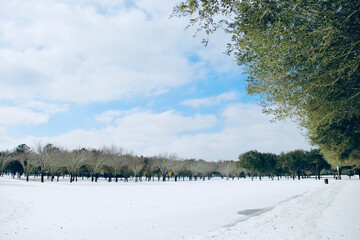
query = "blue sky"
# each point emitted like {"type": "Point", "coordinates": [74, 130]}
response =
{"type": "Point", "coordinates": [94, 73]}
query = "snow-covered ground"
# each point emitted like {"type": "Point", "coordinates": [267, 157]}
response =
{"type": "Point", "coordinates": [216, 209]}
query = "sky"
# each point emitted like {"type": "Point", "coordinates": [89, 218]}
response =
{"type": "Point", "coordinates": [121, 72]}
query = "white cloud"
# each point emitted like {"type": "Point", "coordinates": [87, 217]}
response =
{"type": "Point", "coordinates": [108, 116]}
{"type": "Point", "coordinates": [90, 52]}
{"type": "Point", "coordinates": [245, 128]}
{"type": "Point", "coordinates": [31, 112]}
{"type": "Point", "coordinates": [94, 51]}
{"type": "Point", "coordinates": [143, 131]}
{"type": "Point", "coordinates": [20, 116]}
{"type": "Point", "coordinates": [240, 128]}
{"type": "Point", "coordinates": [210, 101]}
{"type": "Point", "coordinates": [45, 107]}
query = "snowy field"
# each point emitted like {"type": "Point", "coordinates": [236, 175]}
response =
{"type": "Point", "coordinates": [215, 209]}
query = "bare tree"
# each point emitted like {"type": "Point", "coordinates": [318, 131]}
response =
{"type": "Point", "coordinates": [135, 164]}
{"type": "Point", "coordinates": [194, 167]}
{"type": "Point", "coordinates": [206, 168]}
{"type": "Point", "coordinates": [55, 163]}
{"type": "Point", "coordinates": [115, 161]}
{"type": "Point", "coordinates": [28, 162]}
{"type": "Point", "coordinates": [227, 169]}
{"type": "Point", "coordinates": [239, 171]}
{"type": "Point", "coordinates": [94, 163]}
{"type": "Point", "coordinates": [148, 168]}
{"type": "Point", "coordinates": [73, 161]}
{"type": "Point", "coordinates": [162, 163]}
{"type": "Point", "coordinates": [176, 166]}
{"type": "Point", "coordinates": [5, 158]}
{"type": "Point", "coordinates": [44, 155]}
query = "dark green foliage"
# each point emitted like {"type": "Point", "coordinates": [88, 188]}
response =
{"type": "Point", "coordinates": [294, 163]}
{"type": "Point", "coordinates": [15, 167]}
{"type": "Point", "coordinates": [252, 161]}
{"type": "Point", "coordinates": [259, 163]}
{"type": "Point", "coordinates": [302, 57]}
{"type": "Point", "coordinates": [22, 148]}
{"type": "Point", "coordinates": [317, 162]}
{"type": "Point", "coordinates": [270, 164]}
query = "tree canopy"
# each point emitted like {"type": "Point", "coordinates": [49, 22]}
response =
{"type": "Point", "coordinates": [302, 59]}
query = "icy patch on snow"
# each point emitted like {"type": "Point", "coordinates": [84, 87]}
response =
{"type": "Point", "coordinates": [248, 212]}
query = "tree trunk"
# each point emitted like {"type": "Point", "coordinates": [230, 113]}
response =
{"type": "Point", "coordinates": [340, 174]}
{"type": "Point", "coordinates": [27, 177]}
{"type": "Point", "coordinates": [42, 176]}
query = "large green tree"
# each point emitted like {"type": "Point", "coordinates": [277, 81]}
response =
{"type": "Point", "coordinates": [294, 162]}
{"type": "Point", "coordinates": [317, 162]}
{"type": "Point", "coordinates": [253, 162]}
{"type": "Point", "coordinates": [270, 162]}
{"type": "Point", "coordinates": [302, 59]}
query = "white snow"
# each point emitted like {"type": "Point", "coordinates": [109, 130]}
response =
{"type": "Point", "coordinates": [215, 209]}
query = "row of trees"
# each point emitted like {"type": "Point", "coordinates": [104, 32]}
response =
{"type": "Point", "coordinates": [110, 162]}
{"type": "Point", "coordinates": [115, 162]}
{"type": "Point", "coordinates": [295, 163]}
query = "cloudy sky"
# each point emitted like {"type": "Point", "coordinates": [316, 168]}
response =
{"type": "Point", "coordinates": [93, 73]}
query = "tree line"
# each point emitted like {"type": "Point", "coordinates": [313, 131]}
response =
{"type": "Point", "coordinates": [114, 163]}
{"type": "Point", "coordinates": [297, 163]}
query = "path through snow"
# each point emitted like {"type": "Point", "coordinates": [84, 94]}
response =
{"type": "Point", "coordinates": [331, 212]}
